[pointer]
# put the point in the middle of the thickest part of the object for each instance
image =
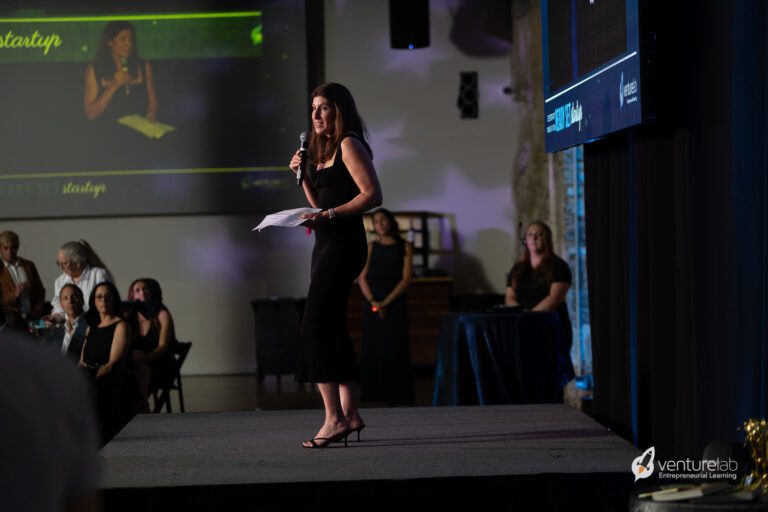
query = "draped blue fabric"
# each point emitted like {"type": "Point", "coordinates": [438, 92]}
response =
{"type": "Point", "coordinates": [500, 358]}
{"type": "Point", "coordinates": [677, 238]}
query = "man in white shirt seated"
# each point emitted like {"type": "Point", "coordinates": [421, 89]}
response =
{"type": "Point", "coordinates": [68, 338]}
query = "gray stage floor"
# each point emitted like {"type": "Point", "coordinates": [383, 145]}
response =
{"type": "Point", "coordinates": [210, 449]}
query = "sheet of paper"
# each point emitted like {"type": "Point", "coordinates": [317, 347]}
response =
{"type": "Point", "coordinates": [146, 127]}
{"type": "Point", "coordinates": [285, 218]}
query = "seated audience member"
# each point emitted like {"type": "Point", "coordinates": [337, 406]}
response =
{"type": "Point", "coordinates": [69, 337]}
{"type": "Point", "coordinates": [48, 438]}
{"type": "Point", "coordinates": [153, 335]}
{"type": "Point", "coordinates": [23, 294]}
{"type": "Point", "coordinates": [80, 266]}
{"type": "Point", "coordinates": [104, 352]}
{"type": "Point", "coordinates": [539, 282]}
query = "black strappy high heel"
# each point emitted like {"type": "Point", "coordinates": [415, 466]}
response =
{"type": "Point", "coordinates": [335, 439]}
{"type": "Point", "coordinates": [358, 430]}
{"type": "Point", "coordinates": [352, 431]}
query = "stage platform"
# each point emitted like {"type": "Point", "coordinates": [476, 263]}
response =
{"type": "Point", "coordinates": [531, 457]}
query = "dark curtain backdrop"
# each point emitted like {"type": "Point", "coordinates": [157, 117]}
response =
{"type": "Point", "coordinates": [677, 227]}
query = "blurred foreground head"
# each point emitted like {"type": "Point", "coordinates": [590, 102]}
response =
{"type": "Point", "coordinates": [49, 441]}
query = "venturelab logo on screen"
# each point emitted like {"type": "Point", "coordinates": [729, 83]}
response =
{"type": "Point", "coordinates": [627, 91]}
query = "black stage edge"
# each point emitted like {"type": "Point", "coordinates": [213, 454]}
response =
{"type": "Point", "coordinates": [517, 457]}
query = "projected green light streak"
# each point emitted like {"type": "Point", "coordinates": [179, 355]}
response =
{"type": "Point", "coordinates": [136, 17]}
{"type": "Point", "coordinates": [143, 172]}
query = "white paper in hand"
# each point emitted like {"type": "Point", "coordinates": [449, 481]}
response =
{"type": "Point", "coordinates": [285, 218]}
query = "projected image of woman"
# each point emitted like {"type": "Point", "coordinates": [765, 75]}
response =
{"type": "Point", "coordinates": [344, 184]}
{"type": "Point", "coordinates": [119, 82]}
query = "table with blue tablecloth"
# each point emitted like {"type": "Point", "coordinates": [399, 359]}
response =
{"type": "Point", "coordinates": [504, 357]}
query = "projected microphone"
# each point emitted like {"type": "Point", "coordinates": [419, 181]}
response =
{"type": "Point", "coordinates": [124, 68]}
{"type": "Point", "coordinates": [303, 155]}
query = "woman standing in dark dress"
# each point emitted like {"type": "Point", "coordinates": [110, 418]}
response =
{"type": "Point", "coordinates": [387, 375]}
{"type": "Point", "coordinates": [540, 282]}
{"type": "Point", "coordinates": [344, 184]}
{"type": "Point", "coordinates": [104, 351]}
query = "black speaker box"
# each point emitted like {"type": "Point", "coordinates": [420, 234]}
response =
{"type": "Point", "coordinates": [468, 95]}
{"type": "Point", "coordinates": [408, 24]}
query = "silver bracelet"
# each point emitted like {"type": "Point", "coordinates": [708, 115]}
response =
{"type": "Point", "coordinates": [331, 213]}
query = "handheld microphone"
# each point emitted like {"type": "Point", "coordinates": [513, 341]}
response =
{"type": "Point", "coordinates": [303, 154]}
{"type": "Point", "coordinates": [124, 68]}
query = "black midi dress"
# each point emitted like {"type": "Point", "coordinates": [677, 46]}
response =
{"type": "Point", "coordinates": [386, 375]}
{"type": "Point", "coordinates": [109, 389]}
{"type": "Point", "coordinates": [325, 349]}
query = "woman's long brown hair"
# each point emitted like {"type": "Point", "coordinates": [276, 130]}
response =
{"type": "Point", "coordinates": [346, 119]}
{"type": "Point", "coordinates": [545, 268]}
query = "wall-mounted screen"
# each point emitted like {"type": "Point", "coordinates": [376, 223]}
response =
{"type": "Point", "coordinates": [138, 108]}
{"type": "Point", "coordinates": [592, 69]}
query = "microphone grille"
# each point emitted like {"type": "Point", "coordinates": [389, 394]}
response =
{"type": "Point", "coordinates": [303, 136]}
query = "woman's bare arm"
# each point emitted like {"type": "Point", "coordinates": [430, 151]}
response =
{"type": "Point", "coordinates": [360, 167]}
{"type": "Point", "coordinates": [119, 345]}
{"type": "Point", "coordinates": [164, 340]}
{"type": "Point", "coordinates": [151, 93]}
{"type": "Point", "coordinates": [557, 292]}
{"type": "Point", "coordinates": [362, 281]}
{"type": "Point", "coordinates": [95, 103]}
{"type": "Point", "coordinates": [403, 284]}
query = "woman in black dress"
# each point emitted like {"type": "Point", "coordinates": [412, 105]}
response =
{"type": "Point", "coordinates": [387, 375]}
{"type": "Point", "coordinates": [540, 282]}
{"type": "Point", "coordinates": [153, 336]}
{"type": "Point", "coordinates": [343, 183]}
{"type": "Point", "coordinates": [104, 351]}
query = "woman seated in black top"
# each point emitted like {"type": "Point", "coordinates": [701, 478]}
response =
{"type": "Point", "coordinates": [104, 351]}
{"type": "Point", "coordinates": [152, 327]}
{"type": "Point", "coordinates": [540, 282]}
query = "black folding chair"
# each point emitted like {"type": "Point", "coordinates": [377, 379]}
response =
{"type": "Point", "coordinates": [162, 394]}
